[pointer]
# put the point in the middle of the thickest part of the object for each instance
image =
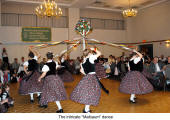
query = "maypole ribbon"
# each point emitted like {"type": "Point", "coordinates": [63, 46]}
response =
{"type": "Point", "coordinates": [55, 43]}
{"type": "Point", "coordinates": [111, 44]}
{"type": "Point", "coordinates": [70, 48]}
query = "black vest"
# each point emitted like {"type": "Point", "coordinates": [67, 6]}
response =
{"type": "Point", "coordinates": [32, 65]}
{"type": "Point", "coordinates": [136, 67]}
{"type": "Point", "coordinates": [88, 67]}
{"type": "Point", "coordinates": [52, 68]}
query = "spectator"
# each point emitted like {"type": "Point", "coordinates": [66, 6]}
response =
{"type": "Point", "coordinates": [156, 69]}
{"type": "Point", "coordinates": [21, 69]}
{"type": "Point", "coordinates": [42, 63]}
{"type": "Point", "coordinates": [77, 65]}
{"type": "Point", "coordinates": [167, 71]}
{"type": "Point", "coordinates": [6, 95]}
{"type": "Point", "coordinates": [15, 64]}
{"type": "Point", "coordinates": [163, 59]}
{"type": "Point", "coordinates": [5, 56]}
{"type": "Point", "coordinates": [3, 102]}
{"type": "Point", "coordinates": [1, 63]}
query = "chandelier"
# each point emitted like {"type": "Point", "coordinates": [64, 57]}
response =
{"type": "Point", "coordinates": [130, 12]}
{"type": "Point", "coordinates": [48, 9]}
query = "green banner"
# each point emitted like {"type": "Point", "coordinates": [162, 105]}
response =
{"type": "Point", "coordinates": [36, 34]}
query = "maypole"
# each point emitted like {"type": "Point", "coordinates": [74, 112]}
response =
{"type": "Point", "coordinates": [83, 28]}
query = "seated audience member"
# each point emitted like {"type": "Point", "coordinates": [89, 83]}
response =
{"type": "Point", "coordinates": [15, 65]}
{"type": "Point", "coordinates": [6, 76]}
{"type": "Point", "coordinates": [42, 63]}
{"type": "Point", "coordinates": [14, 78]}
{"type": "Point", "coordinates": [5, 56]}
{"type": "Point", "coordinates": [163, 59]}
{"type": "Point", "coordinates": [156, 69]}
{"type": "Point", "coordinates": [21, 69]}
{"type": "Point", "coordinates": [112, 64]}
{"type": "Point", "coordinates": [1, 76]}
{"type": "Point", "coordinates": [71, 66]}
{"type": "Point", "coordinates": [117, 68]}
{"type": "Point", "coordinates": [3, 102]}
{"type": "Point", "coordinates": [167, 72]}
{"type": "Point", "coordinates": [6, 95]}
{"type": "Point", "coordinates": [1, 63]}
{"type": "Point", "coordinates": [122, 66]}
{"type": "Point", "coordinates": [107, 67]}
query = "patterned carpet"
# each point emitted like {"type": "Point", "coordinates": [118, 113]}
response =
{"type": "Point", "coordinates": [115, 102]}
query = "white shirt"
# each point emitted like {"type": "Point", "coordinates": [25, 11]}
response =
{"type": "Point", "coordinates": [46, 68]}
{"type": "Point", "coordinates": [157, 67]}
{"type": "Point", "coordinates": [26, 63]}
{"type": "Point", "coordinates": [92, 58]}
{"type": "Point", "coordinates": [21, 67]}
{"type": "Point", "coordinates": [136, 60]}
{"type": "Point", "coordinates": [62, 59]}
{"type": "Point", "coordinates": [1, 76]}
{"type": "Point", "coordinates": [4, 55]}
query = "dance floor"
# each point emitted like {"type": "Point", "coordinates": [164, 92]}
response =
{"type": "Point", "coordinates": [115, 102]}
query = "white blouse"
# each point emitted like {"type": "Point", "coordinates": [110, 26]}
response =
{"type": "Point", "coordinates": [26, 63]}
{"type": "Point", "coordinates": [46, 68]}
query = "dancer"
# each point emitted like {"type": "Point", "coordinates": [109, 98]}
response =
{"type": "Point", "coordinates": [64, 70]}
{"type": "Point", "coordinates": [53, 88]}
{"type": "Point", "coordinates": [100, 71]}
{"type": "Point", "coordinates": [134, 81]}
{"type": "Point", "coordinates": [29, 84]}
{"type": "Point", "coordinates": [88, 91]}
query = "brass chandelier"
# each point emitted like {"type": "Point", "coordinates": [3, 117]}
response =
{"type": "Point", "coordinates": [130, 12]}
{"type": "Point", "coordinates": [48, 8]}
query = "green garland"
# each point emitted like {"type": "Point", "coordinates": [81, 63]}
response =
{"type": "Point", "coordinates": [83, 27]}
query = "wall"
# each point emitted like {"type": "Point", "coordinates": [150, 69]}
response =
{"type": "Point", "coordinates": [12, 34]}
{"type": "Point", "coordinates": [90, 13]}
{"type": "Point", "coordinates": [152, 24]}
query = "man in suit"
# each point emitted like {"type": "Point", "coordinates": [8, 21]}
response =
{"type": "Point", "coordinates": [167, 69]}
{"type": "Point", "coordinates": [157, 68]}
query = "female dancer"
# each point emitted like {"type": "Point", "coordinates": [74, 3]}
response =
{"type": "Point", "coordinates": [29, 83]}
{"type": "Point", "coordinates": [53, 88]}
{"type": "Point", "coordinates": [88, 90]}
{"type": "Point", "coordinates": [100, 71]}
{"type": "Point", "coordinates": [64, 70]}
{"type": "Point", "coordinates": [134, 82]}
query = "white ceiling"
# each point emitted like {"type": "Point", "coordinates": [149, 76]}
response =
{"type": "Point", "coordinates": [113, 5]}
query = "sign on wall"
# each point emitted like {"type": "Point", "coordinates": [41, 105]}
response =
{"type": "Point", "coordinates": [36, 34]}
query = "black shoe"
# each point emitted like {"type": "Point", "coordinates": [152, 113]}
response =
{"type": "Point", "coordinates": [11, 105]}
{"type": "Point", "coordinates": [31, 101]}
{"type": "Point", "coordinates": [86, 112]}
{"type": "Point", "coordinates": [132, 101]}
{"type": "Point", "coordinates": [43, 106]}
{"type": "Point", "coordinates": [60, 111]}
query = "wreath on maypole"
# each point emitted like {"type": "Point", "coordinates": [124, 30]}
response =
{"type": "Point", "coordinates": [83, 27]}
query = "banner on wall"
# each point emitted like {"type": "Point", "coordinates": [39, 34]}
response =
{"type": "Point", "coordinates": [36, 34]}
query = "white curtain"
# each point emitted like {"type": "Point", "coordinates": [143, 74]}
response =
{"type": "Point", "coordinates": [27, 20]}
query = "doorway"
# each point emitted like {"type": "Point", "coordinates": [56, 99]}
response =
{"type": "Point", "coordinates": [148, 49]}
